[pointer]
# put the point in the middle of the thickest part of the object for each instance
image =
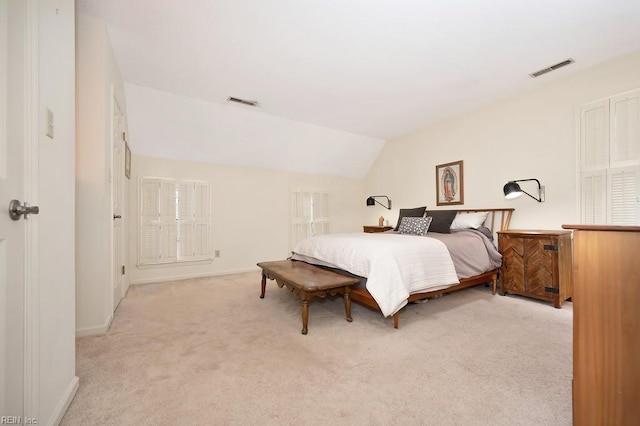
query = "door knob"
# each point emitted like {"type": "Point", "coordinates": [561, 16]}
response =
{"type": "Point", "coordinates": [16, 209]}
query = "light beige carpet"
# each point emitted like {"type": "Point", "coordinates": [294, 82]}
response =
{"type": "Point", "coordinates": [210, 352]}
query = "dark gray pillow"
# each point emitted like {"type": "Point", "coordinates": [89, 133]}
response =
{"type": "Point", "coordinates": [415, 212]}
{"type": "Point", "coordinates": [442, 220]}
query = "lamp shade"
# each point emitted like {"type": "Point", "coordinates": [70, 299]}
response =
{"type": "Point", "coordinates": [371, 201]}
{"type": "Point", "coordinates": [512, 190]}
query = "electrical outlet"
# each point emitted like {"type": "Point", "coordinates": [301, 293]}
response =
{"type": "Point", "coordinates": [217, 253]}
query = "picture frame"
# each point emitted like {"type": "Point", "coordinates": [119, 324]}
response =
{"type": "Point", "coordinates": [127, 160]}
{"type": "Point", "coordinates": [450, 183]}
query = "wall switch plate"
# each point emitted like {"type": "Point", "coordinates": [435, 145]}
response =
{"type": "Point", "coordinates": [49, 123]}
{"type": "Point", "coordinates": [542, 195]}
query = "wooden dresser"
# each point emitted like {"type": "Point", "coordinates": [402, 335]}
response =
{"type": "Point", "coordinates": [536, 264]}
{"type": "Point", "coordinates": [606, 325]}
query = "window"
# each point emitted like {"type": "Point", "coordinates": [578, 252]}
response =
{"type": "Point", "coordinates": [175, 221]}
{"type": "Point", "coordinates": [309, 215]}
{"type": "Point", "coordinates": [610, 161]}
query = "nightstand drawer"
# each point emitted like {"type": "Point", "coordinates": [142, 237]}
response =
{"type": "Point", "coordinates": [370, 229]}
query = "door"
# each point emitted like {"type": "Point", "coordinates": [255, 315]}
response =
{"type": "Point", "coordinates": [513, 263]}
{"type": "Point", "coordinates": [541, 263]}
{"type": "Point", "coordinates": [117, 142]}
{"type": "Point", "coordinates": [16, 124]}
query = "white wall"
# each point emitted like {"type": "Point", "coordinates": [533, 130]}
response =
{"type": "Point", "coordinates": [56, 201]}
{"type": "Point", "coordinates": [532, 135]}
{"type": "Point", "coordinates": [97, 78]}
{"type": "Point", "coordinates": [171, 126]}
{"type": "Point", "coordinates": [250, 210]}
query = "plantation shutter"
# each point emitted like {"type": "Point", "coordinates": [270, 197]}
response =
{"type": "Point", "coordinates": [185, 200]}
{"type": "Point", "coordinates": [610, 161]}
{"type": "Point", "coordinates": [625, 130]}
{"type": "Point", "coordinates": [168, 225]}
{"type": "Point", "coordinates": [623, 187]}
{"type": "Point", "coordinates": [194, 218]}
{"type": "Point", "coordinates": [168, 242]}
{"type": "Point", "coordinates": [185, 221]}
{"type": "Point", "coordinates": [185, 239]}
{"type": "Point", "coordinates": [309, 215]}
{"type": "Point", "coordinates": [624, 159]}
{"type": "Point", "coordinates": [300, 217]}
{"type": "Point", "coordinates": [157, 221]}
{"type": "Point", "coordinates": [201, 243]}
{"type": "Point", "coordinates": [149, 237]}
{"type": "Point", "coordinates": [594, 136]}
{"type": "Point", "coordinates": [320, 215]}
{"type": "Point", "coordinates": [594, 197]}
{"type": "Point", "coordinates": [594, 160]}
{"type": "Point", "coordinates": [174, 221]}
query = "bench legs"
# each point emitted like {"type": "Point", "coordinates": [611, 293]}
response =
{"type": "Point", "coordinates": [263, 284]}
{"type": "Point", "coordinates": [306, 296]}
{"type": "Point", "coordinates": [305, 312]}
{"type": "Point", "coordinates": [347, 304]}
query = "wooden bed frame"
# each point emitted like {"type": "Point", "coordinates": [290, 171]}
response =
{"type": "Point", "coordinates": [361, 295]}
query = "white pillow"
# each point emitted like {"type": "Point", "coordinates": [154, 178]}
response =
{"type": "Point", "coordinates": [469, 220]}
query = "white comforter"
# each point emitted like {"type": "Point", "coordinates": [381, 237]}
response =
{"type": "Point", "coordinates": [395, 265]}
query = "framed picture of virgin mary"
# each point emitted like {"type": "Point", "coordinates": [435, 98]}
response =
{"type": "Point", "coordinates": [449, 184]}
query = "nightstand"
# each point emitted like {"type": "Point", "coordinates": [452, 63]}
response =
{"type": "Point", "coordinates": [536, 264]}
{"type": "Point", "coordinates": [370, 229]}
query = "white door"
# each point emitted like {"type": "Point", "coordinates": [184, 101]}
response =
{"type": "Point", "coordinates": [117, 141]}
{"type": "Point", "coordinates": [16, 123]}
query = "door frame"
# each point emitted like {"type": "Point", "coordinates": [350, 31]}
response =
{"type": "Point", "coordinates": [31, 272]}
{"type": "Point", "coordinates": [117, 173]}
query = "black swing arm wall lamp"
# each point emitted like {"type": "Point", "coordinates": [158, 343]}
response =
{"type": "Point", "coordinates": [371, 201]}
{"type": "Point", "coordinates": [513, 190]}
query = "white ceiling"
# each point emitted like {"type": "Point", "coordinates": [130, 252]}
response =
{"type": "Point", "coordinates": [378, 68]}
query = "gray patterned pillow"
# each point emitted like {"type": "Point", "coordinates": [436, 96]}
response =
{"type": "Point", "coordinates": [414, 225]}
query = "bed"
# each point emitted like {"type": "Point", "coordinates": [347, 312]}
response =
{"type": "Point", "coordinates": [398, 268]}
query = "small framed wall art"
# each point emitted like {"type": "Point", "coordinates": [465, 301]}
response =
{"type": "Point", "coordinates": [449, 184]}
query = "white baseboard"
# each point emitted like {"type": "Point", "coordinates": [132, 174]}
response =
{"type": "Point", "coordinates": [93, 331]}
{"type": "Point", "coordinates": [65, 401]}
{"type": "Point", "coordinates": [189, 276]}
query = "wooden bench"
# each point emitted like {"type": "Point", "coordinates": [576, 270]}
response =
{"type": "Point", "coordinates": [307, 281]}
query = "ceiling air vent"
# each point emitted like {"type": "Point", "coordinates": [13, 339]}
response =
{"type": "Point", "coordinates": [552, 68]}
{"type": "Point", "coordinates": [242, 101]}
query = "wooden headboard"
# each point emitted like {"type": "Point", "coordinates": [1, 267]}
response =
{"type": "Point", "coordinates": [503, 215]}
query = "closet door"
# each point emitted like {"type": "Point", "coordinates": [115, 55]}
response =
{"type": "Point", "coordinates": [513, 258]}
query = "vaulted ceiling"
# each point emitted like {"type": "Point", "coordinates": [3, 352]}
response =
{"type": "Point", "coordinates": [375, 68]}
